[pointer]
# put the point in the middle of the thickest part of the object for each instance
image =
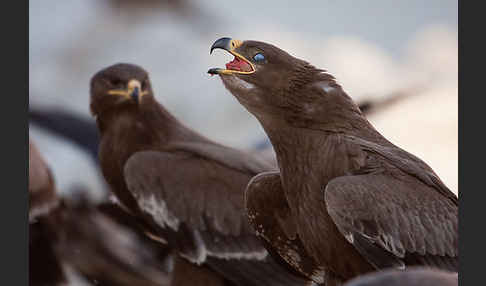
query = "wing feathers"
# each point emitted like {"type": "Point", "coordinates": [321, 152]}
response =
{"type": "Point", "coordinates": [380, 210]}
{"type": "Point", "coordinates": [270, 216]}
{"type": "Point", "coordinates": [199, 201]}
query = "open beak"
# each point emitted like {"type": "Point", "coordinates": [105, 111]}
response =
{"type": "Point", "coordinates": [132, 92]}
{"type": "Point", "coordinates": [239, 65]}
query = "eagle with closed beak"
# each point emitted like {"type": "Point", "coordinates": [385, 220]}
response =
{"type": "Point", "coordinates": [348, 199]}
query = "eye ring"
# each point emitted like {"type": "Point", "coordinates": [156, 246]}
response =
{"type": "Point", "coordinates": [259, 57]}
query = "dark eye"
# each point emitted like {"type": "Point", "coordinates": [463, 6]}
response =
{"type": "Point", "coordinates": [259, 57]}
{"type": "Point", "coordinates": [116, 82]}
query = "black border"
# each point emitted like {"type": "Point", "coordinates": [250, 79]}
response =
{"type": "Point", "coordinates": [14, 202]}
{"type": "Point", "coordinates": [471, 122]}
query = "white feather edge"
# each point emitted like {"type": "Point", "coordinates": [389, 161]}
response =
{"type": "Point", "coordinates": [42, 210]}
{"type": "Point", "coordinates": [159, 211]}
{"type": "Point", "coordinates": [203, 252]}
{"type": "Point", "coordinates": [324, 85]}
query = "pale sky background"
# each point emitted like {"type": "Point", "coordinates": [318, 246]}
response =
{"type": "Point", "coordinates": [374, 48]}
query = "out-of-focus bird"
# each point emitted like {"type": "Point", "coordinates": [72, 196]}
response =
{"type": "Point", "coordinates": [102, 242]}
{"type": "Point", "coordinates": [354, 201]}
{"type": "Point", "coordinates": [187, 188]}
{"type": "Point", "coordinates": [416, 276]}
{"type": "Point", "coordinates": [42, 189]}
{"type": "Point", "coordinates": [44, 267]}
{"type": "Point", "coordinates": [105, 246]}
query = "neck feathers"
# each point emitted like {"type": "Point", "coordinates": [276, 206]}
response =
{"type": "Point", "coordinates": [305, 74]}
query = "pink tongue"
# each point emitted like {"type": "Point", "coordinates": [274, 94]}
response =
{"type": "Point", "coordinates": [238, 65]}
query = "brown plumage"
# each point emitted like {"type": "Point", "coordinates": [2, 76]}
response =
{"type": "Point", "coordinates": [42, 190]}
{"type": "Point", "coordinates": [189, 189]}
{"type": "Point", "coordinates": [347, 196]}
{"type": "Point", "coordinates": [103, 245]}
{"type": "Point", "coordinates": [416, 276]}
{"type": "Point", "coordinates": [44, 267]}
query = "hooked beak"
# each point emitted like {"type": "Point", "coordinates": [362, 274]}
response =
{"type": "Point", "coordinates": [134, 87]}
{"type": "Point", "coordinates": [239, 65]}
{"type": "Point", "coordinates": [132, 92]}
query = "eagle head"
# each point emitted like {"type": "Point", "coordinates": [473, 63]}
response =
{"type": "Point", "coordinates": [119, 86]}
{"type": "Point", "coordinates": [271, 83]}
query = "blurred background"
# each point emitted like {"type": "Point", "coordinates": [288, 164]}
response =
{"type": "Point", "coordinates": [398, 59]}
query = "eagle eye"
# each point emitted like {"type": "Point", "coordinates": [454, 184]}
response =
{"type": "Point", "coordinates": [259, 57]}
{"type": "Point", "coordinates": [116, 82]}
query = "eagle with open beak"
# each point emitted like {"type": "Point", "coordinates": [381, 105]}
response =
{"type": "Point", "coordinates": [346, 199]}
